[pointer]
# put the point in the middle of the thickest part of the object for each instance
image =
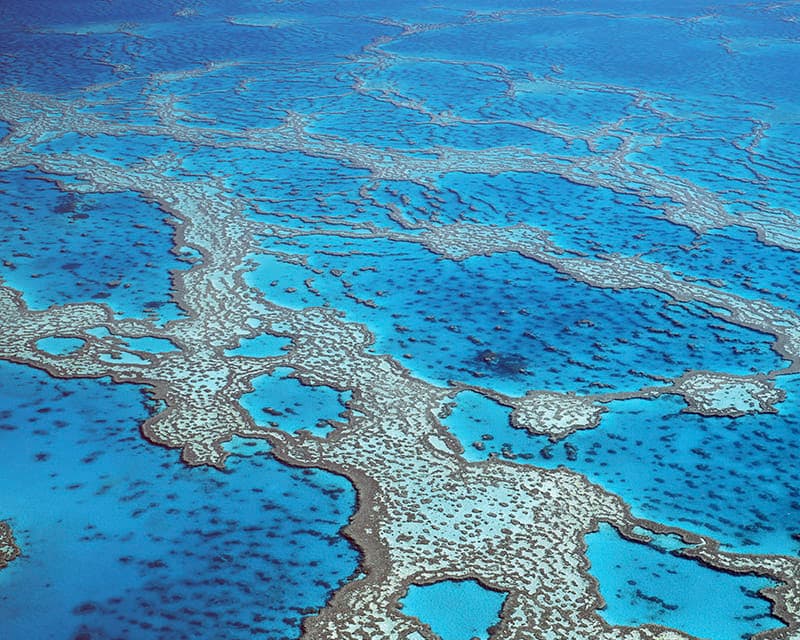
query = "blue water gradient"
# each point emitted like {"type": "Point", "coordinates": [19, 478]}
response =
{"type": "Point", "coordinates": [671, 466]}
{"type": "Point", "coordinates": [61, 247]}
{"type": "Point", "coordinates": [470, 321]}
{"type": "Point", "coordinates": [120, 540]}
{"type": "Point", "coordinates": [641, 584]}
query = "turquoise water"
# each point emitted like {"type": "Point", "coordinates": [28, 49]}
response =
{"type": "Point", "coordinates": [281, 401]}
{"type": "Point", "coordinates": [641, 584]}
{"type": "Point", "coordinates": [60, 346]}
{"type": "Point", "coordinates": [411, 116]}
{"type": "Point", "coordinates": [121, 541]}
{"type": "Point", "coordinates": [477, 420]}
{"type": "Point", "coordinates": [485, 328]}
{"type": "Point", "coordinates": [671, 466]}
{"type": "Point", "coordinates": [260, 346]}
{"type": "Point", "coordinates": [455, 609]}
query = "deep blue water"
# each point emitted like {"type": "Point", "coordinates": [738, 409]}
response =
{"type": "Point", "coordinates": [66, 247]}
{"type": "Point", "coordinates": [120, 540]}
{"type": "Point", "coordinates": [474, 321]}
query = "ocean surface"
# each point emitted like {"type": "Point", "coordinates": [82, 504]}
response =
{"type": "Point", "coordinates": [590, 198]}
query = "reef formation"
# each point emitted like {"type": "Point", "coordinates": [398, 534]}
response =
{"type": "Point", "coordinates": [8, 546]}
{"type": "Point", "coordinates": [424, 513]}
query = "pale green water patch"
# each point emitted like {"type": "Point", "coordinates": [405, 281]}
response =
{"type": "Point", "coordinates": [455, 609]}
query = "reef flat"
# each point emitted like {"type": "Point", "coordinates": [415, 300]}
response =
{"type": "Point", "coordinates": [8, 547]}
{"type": "Point", "coordinates": [402, 217]}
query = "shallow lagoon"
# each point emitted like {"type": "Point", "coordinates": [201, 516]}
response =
{"type": "Point", "coordinates": [641, 584]}
{"type": "Point", "coordinates": [455, 609]}
{"type": "Point", "coordinates": [670, 466]}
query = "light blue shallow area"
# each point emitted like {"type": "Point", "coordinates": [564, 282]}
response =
{"type": "Point", "coordinates": [120, 540]}
{"type": "Point", "coordinates": [259, 347]}
{"type": "Point", "coordinates": [59, 346]}
{"type": "Point", "coordinates": [455, 609]}
{"type": "Point", "coordinates": [734, 479]}
{"type": "Point", "coordinates": [641, 584]}
{"type": "Point", "coordinates": [477, 420]}
{"type": "Point", "coordinates": [150, 344]}
{"type": "Point", "coordinates": [281, 401]}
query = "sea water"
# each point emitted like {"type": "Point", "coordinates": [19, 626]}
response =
{"type": "Point", "coordinates": [641, 584]}
{"type": "Point", "coordinates": [168, 550]}
{"type": "Point", "coordinates": [671, 466]}
{"type": "Point", "coordinates": [120, 540]}
{"type": "Point", "coordinates": [455, 609]}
